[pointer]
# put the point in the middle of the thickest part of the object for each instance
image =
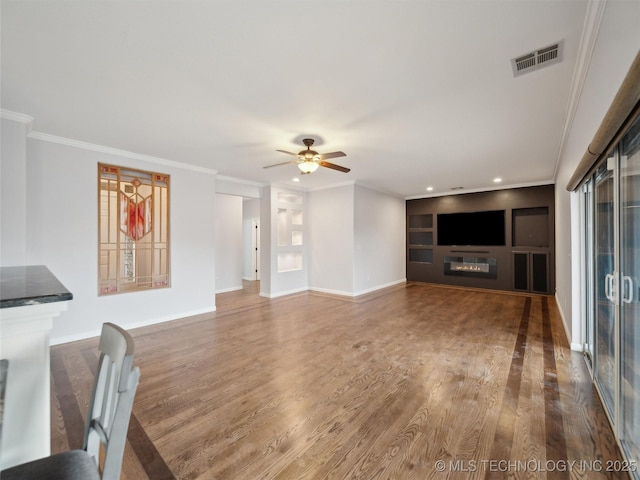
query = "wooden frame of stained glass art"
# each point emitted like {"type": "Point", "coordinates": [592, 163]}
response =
{"type": "Point", "coordinates": [133, 230]}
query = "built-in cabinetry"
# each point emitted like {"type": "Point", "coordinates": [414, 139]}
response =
{"type": "Point", "coordinates": [530, 236]}
{"type": "Point", "coordinates": [531, 272]}
{"type": "Point", "coordinates": [30, 299]}
{"type": "Point", "coordinates": [420, 238]}
{"type": "Point", "coordinates": [289, 232]}
{"type": "Point", "coordinates": [522, 258]}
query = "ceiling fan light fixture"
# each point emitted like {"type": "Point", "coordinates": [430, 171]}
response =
{"type": "Point", "coordinates": [309, 160]}
{"type": "Point", "coordinates": [309, 155]}
{"type": "Point", "coordinates": [308, 166]}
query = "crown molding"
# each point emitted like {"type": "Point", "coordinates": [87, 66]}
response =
{"type": "Point", "coordinates": [357, 183]}
{"type": "Point", "coordinates": [242, 181]}
{"type": "Point", "coordinates": [375, 188]}
{"type": "Point", "coordinates": [45, 137]}
{"type": "Point", "coordinates": [16, 117]}
{"type": "Point", "coordinates": [478, 190]}
{"type": "Point", "coordinates": [302, 188]}
{"type": "Point", "coordinates": [592, 21]}
{"type": "Point", "coordinates": [333, 185]}
{"type": "Point", "coordinates": [282, 186]}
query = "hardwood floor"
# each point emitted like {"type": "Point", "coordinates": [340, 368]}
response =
{"type": "Point", "coordinates": [412, 382]}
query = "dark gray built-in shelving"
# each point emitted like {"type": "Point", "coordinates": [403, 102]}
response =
{"type": "Point", "coordinates": [420, 238]}
{"type": "Point", "coordinates": [526, 260]}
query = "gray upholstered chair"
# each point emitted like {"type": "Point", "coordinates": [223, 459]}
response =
{"type": "Point", "coordinates": [107, 420]}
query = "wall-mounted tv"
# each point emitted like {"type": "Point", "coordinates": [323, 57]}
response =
{"type": "Point", "coordinates": [472, 228]}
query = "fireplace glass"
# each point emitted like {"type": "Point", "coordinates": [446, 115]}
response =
{"type": "Point", "coordinates": [475, 267]}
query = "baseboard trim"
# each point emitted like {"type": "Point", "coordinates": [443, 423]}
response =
{"type": "Point", "coordinates": [282, 294]}
{"type": "Point", "coordinates": [341, 293]}
{"type": "Point", "coordinates": [566, 328]}
{"type": "Point", "coordinates": [230, 289]}
{"type": "Point", "coordinates": [145, 323]}
{"type": "Point", "coordinates": [576, 347]}
{"type": "Point", "coordinates": [379, 287]}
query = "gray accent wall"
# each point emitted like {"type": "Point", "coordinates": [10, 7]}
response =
{"type": "Point", "coordinates": [529, 241]}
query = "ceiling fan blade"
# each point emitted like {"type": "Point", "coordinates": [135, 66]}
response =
{"type": "Point", "coordinates": [279, 164]}
{"type": "Point", "coordinates": [325, 156]}
{"type": "Point", "coordinates": [288, 153]}
{"type": "Point", "coordinates": [334, 166]}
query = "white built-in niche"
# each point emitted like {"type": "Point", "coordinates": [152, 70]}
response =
{"type": "Point", "coordinates": [289, 232]}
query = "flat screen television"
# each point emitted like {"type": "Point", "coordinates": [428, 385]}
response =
{"type": "Point", "coordinates": [472, 228]}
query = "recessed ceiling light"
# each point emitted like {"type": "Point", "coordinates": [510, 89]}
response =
{"type": "Point", "coordinates": [497, 180]}
{"type": "Point", "coordinates": [429, 189]}
{"type": "Point", "coordinates": [296, 179]}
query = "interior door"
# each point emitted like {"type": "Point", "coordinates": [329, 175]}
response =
{"type": "Point", "coordinates": [605, 284]}
{"type": "Point", "coordinates": [630, 290]}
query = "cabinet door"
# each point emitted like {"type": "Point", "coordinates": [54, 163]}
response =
{"type": "Point", "coordinates": [521, 271]}
{"type": "Point", "coordinates": [539, 267]}
{"type": "Point", "coordinates": [531, 272]}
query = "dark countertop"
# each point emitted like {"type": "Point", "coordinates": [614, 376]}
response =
{"type": "Point", "coordinates": [30, 285]}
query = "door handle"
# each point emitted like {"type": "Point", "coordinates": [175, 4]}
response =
{"type": "Point", "coordinates": [627, 281]}
{"type": "Point", "coordinates": [608, 286]}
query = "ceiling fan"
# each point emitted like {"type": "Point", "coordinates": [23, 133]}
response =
{"type": "Point", "coordinates": [309, 160]}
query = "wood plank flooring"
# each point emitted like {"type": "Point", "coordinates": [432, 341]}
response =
{"type": "Point", "coordinates": [412, 382]}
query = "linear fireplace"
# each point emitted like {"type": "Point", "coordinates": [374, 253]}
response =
{"type": "Point", "coordinates": [475, 267]}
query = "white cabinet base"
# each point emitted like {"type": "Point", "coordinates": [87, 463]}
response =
{"type": "Point", "coordinates": [24, 341]}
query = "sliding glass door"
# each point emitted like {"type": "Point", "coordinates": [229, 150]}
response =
{"type": "Point", "coordinates": [611, 218]}
{"type": "Point", "coordinates": [605, 283]}
{"type": "Point", "coordinates": [588, 274]}
{"type": "Point", "coordinates": [630, 290]}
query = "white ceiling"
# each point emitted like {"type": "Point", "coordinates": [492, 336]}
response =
{"type": "Point", "coordinates": [417, 93]}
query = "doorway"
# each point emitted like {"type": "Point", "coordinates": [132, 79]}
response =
{"type": "Point", "coordinates": [255, 248]}
{"type": "Point", "coordinates": [251, 248]}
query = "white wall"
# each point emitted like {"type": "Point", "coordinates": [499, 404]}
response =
{"type": "Point", "coordinates": [62, 234]}
{"type": "Point", "coordinates": [357, 240]}
{"type": "Point", "coordinates": [13, 201]}
{"type": "Point", "coordinates": [357, 244]}
{"type": "Point", "coordinates": [228, 242]}
{"type": "Point", "coordinates": [331, 240]}
{"type": "Point", "coordinates": [617, 44]}
{"type": "Point", "coordinates": [379, 240]}
{"type": "Point", "coordinates": [265, 242]}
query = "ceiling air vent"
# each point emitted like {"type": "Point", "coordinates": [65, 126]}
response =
{"type": "Point", "coordinates": [536, 60]}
